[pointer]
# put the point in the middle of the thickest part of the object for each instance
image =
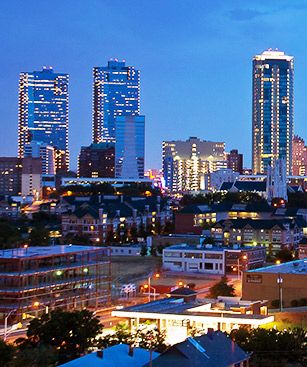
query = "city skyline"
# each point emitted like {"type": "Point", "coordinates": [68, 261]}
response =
{"type": "Point", "coordinates": [190, 63]}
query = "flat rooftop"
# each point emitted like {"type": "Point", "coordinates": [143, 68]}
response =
{"type": "Point", "coordinates": [177, 306]}
{"type": "Point", "coordinates": [206, 247]}
{"type": "Point", "coordinates": [39, 251]}
{"type": "Point", "coordinates": [291, 267]}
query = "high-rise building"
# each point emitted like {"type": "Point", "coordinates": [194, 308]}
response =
{"type": "Point", "coordinates": [37, 149]}
{"type": "Point", "coordinates": [272, 122]}
{"type": "Point", "coordinates": [235, 161]}
{"type": "Point", "coordinates": [299, 156]}
{"type": "Point", "coordinates": [116, 92]}
{"type": "Point", "coordinates": [97, 160]}
{"type": "Point", "coordinates": [129, 147]}
{"type": "Point", "coordinates": [43, 112]}
{"type": "Point", "coordinates": [186, 162]}
{"type": "Point", "coordinates": [10, 175]}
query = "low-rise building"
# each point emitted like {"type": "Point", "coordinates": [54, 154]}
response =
{"type": "Point", "coordinates": [194, 219]}
{"type": "Point", "coordinates": [204, 351]}
{"type": "Point", "coordinates": [129, 250]}
{"type": "Point", "coordinates": [212, 259]}
{"type": "Point", "coordinates": [179, 317]}
{"type": "Point", "coordinates": [114, 356]}
{"type": "Point", "coordinates": [100, 217]}
{"type": "Point", "coordinates": [39, 279]}
{"type": "Point", "coordinates": [275, 234]}
{"type": "Point", "coordinates": [285, 282]}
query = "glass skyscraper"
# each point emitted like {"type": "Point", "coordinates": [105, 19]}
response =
{"type": "Point", "coordinates": [116, 92]}
{"type": "Point", "coordinates": [129, 147]}
{"type": "Point", "coordinates": [273, 73]}
{"type": "Point", "coordinates": [43, 112]}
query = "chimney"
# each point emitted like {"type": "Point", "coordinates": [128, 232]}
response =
{"type": "Point", "coordinates": [99, 354]}
{"type": "Point", "coordinates": [131, 350]}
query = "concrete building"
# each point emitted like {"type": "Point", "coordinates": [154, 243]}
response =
{"type": "Point", "coordinates": [211, 259]}
{"type": "Point", "coordinates": [31, 178]}
{"type": "Point", "coordinates": [97, 160]}
{"type": "Point", "coordinates": [299, 156]}
{"type": "Point", "coordinates": [285, 282]}
{"type": "Point", "coordinates": [179, 315]}
{"type": "Point", "coordinates": [67, 277]}
{"type": "Point", "coordinates": [186, 162]}
{"type": "Point", "coordinates": [37, 149]}
{"type": "Point", "coordinates": [10, 175]}
{"type": "Point", "coordinates": [235, 161]}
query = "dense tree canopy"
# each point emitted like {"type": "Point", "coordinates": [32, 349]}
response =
{"type": "Point", "coordinates": [221, 288]}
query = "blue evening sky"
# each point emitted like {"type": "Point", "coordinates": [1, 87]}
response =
{"type": "Point", "coordinates": [194, 56]}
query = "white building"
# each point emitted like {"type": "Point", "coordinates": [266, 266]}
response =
{"type": "Point", "coordinates": [37, 149]}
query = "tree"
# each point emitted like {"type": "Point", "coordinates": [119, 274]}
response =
{"type": "Point", "coordinates": [143, 250]}
{"type": "Point", "coordinates": [9, 234]}
{"type": "Point", "coordinates": [39, 236]}
{"type": "Point", "coordinates": [6, 353]}
{"type": "Point", "coordinates": [284, 255]}
{"type": "Point", "coordinates": [121, 335]}
{"type": "Point", "coordinates": [222, 288]}
{"type": "Point", "coordinates": [35, 355]}
{"type": "Point", "coordinates": [70, 333]}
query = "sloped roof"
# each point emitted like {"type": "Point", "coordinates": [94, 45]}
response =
{"type": "Point", "coordinates": [115, 356]}
{"type": "Point", "coordinates": [254, 223]}
{"type": "Point", "coordinates": [214, 349]}
{"type": "Point", "coordinates": [259, 186]}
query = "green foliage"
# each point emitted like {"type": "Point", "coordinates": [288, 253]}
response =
{"type": "Point", "coordinates": [32, 356]}
{"type": "Point", "coordinates": [272, 347]}
{"type": "Point", "coordinates": [297, 200]}
{"type": "Point", "coordinates": [284, 255]}
{"type": "Point", "coordinates": [9, 235]}
{"type": "Point", "coordinates": [6, 353]}
{"type": "Point", "coordinates": [70, 333]}
{"type": "Point", "coordinates": [221, 288]}
{"type": "Point", "coordinates": [143, 250]}
{"type": "Point", "coordinates": [39, 236]}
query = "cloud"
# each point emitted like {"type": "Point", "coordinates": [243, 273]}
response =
{"type": "Point", "coordinates": [244, 14]}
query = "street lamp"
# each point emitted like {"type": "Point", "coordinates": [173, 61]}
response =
{"type": "Point", "coordinates": [157, 275]}
{"type": "Point", "coordinates": [279, 282]}
{"type": "Point", "coordinates": [5, 323]}
{"type": "Point", "coordinates": [36, 304]}
{"type": "Point", "coordinates": [244, 257]}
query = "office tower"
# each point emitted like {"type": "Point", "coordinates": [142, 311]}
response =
{"type": "Point", "coordinates": [299, 156]}
{"type": "Point", "coordinates": [129, 147]}
{"type": "Point", "coordinates": [235, 161]}
{"type": "Point", "coordinates": [97, 160]}
{"type": "Point", "coordinates": [272, 123]}
{"type": "Point", "coordinates": [31, 178]}
{"type": "Point", "coordinates": [37, 149]}
{"type": "Point", "coordinates": [43, 112]}
{"type": "Point", "coordinates": [186, 162]}
{"type": "Point", "coordinates": [10, 175]}
{"type": "Point", "coordinates": [116, 92]}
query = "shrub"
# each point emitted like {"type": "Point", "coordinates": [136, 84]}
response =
{"type": "Point", "coordinates": [294, 303]}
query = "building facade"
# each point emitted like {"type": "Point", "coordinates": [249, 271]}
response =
{"type": "Point", "coordinates": [186, 162]}
{"type": "Point", "coordinates": [116, 92]}
{"type": "Point", "coordinates": [130, 147]}
{"type": "Point", "coordinates": [66, 277]}
{"type": "Point", "coordinates": [10, 175]}
{"type": "Point", "coordinates": [43, 112]}
{"type": "Point", "coordinates": [273, 101]}
{"type": "Point", "coordinates": [97, 160]}
{"type": "Point", "coordinates": [235, 161]}
{"type": "Point", "coordinates": [210, 259]}
{"type": "Point", "coordinates": [31, 178]}
{"type": "Point", "coordinates": [37, 149]}
{"type": "Point", "coordinates": [299, 157]}
{"type": "Point", "coordinates": [285, 283]}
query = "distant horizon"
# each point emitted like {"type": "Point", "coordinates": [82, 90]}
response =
{"type": "Point", "coordinates": [195, 79]}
